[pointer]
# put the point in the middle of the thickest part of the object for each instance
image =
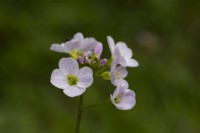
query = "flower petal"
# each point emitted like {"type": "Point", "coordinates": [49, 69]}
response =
{"type": "Point", "coordinates": [75, 42]}
{"type": "Point", "coordinates": [124, 50]}
{"type": "Point", "coordinates": [73, 91]}
{"type": "Point", "coordinates": [85, 78]}
{"type": "Point", "coordinates": [116, 92]}
{"type": "Point", "coordinates": [58, 48]}
{"type": "Point", "coordinates": [112, 99]}
{"type": "Point", "coordinates": [72, 45]}
{"type": "Point", "coordinates": [114, 63]}
{"type": "Point", "coordinates": [121, 82]}
{"type": "Point", "coordinates": [128, 100]}
{"type": "Point", "coordinates": [58, 79]}
{"type": "Point", "coordinates": [68, 66]}
{"type": "Point", "coordinates": [111, 44]}
{"type": "Point", "coordinates": [78, 36]}
{"type": "Point", "coordinates": [88, 44]}
{"type": "Point", "coordinates": [126, 96]}
{"type": "Point", "coordinates": [112, 77]}
{"type": "Point", "coordinates": [67, 47]}
{"type": "Point", "coordinates": [128, 62]}
{"type": "Point", "coordinates": [131, 62]}
{"type": "Point", "coordinates": [122, 70]}
{"type": "Point", "coordinates": [122, 62]}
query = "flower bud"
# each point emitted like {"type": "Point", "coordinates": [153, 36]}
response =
{"type": "Point", "coordinates": [80, 60]}
{"type": "Point", "coordinates": [87, 60]}
{"type": "Point", "coordinates": [98, 50]}
{"type": "Point", "coordinates": [103, 62]}
{"type": "Point", "coordinates": [106, 75]}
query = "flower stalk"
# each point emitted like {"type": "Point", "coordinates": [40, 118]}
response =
{"type": "Point", "coordinates": [79, 114]}
{"type": "Point", "coordinates": [95, 105]}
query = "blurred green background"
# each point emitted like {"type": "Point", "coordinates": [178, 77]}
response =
{"type": "Point", "coordinates": [164, 36]}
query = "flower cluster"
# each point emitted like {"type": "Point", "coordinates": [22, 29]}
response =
{"type": "Point", "coordinates": [75, 73]}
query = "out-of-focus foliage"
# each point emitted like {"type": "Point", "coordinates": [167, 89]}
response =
{"type": "Point", "coordinates": [164, 36]}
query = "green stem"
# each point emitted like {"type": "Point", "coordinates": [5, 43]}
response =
{"type": "Point", "coordinates": [92, 106]}
{"type": "Point", "coordinates": [95, 105]}
{"type": "Point", "coordinates": [98, 72]}
{"type": "Point", "coordinates": [79, 114]}
{"type": "Point", "coordinates": [80, 111]}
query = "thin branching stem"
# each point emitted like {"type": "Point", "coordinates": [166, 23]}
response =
{"type": "Point", "coordinates": [80, 111]}
{"type": "Point", "coordinates": [99, 71]}
{"type": "Point", "coordinates": [95, 105]}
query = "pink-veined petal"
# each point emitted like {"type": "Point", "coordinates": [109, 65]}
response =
{"type": "Point", "coordinates": [68, 66]}
{"type": "Point", "coordinates": [73, 91]}
{"type": "Point", "coordinates": [58, 79]}
{"type": "Point", "coordinates": [85, 78]}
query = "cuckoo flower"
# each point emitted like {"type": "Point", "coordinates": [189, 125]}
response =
{"type": "Point", "coordinates": [122, 52]}
{"type": "Point", "coordinates": [69, 78]}
{"type": "Point", "coordinates": [123, 98]}
{"type": "Point", "coordinates": [78, 45]}
{"type": "Point", "coordinates": [117, 76]}
{"type": "Point", "coordinates": [118, 73]}
{"type": "Point", "coordinates": [68, 46]}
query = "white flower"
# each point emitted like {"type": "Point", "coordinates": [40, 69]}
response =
{"type": "Point", "coordinates": [68, 46]}
{"type": "Point", "coordinates": [76, 46]}
{"type": "Point", "coordinates": [69, 78]}
{"type": "Point", "coordinates": [122, 53]}
{"type": "Point", "coordinates": [117, 75]}
{"type": "Point", "coordinates": [123, 98]}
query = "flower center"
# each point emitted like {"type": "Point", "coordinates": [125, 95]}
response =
{"type": "Point", "coordinates": [72, 80]}
{"type": "Point", "coordinates": [118, 98]}
{"type": "Point", "coordinates": [75, 53]}
{"type": "Point", "coordinates": [117, 74]}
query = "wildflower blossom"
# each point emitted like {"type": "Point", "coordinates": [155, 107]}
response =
{"type": "Point", "coordinates": [123, 98]}
{"type": "Point", "coordinates": [69, 78]}
{"type": "Point", "coordinates": [118, 73]}
{"type": "Point", "coordinates": [117, 76]}
{"type": "Point", "coordinates": [68, 46]}
{"type": "Point", "coordinates": [122, 52]}
{"type": "Point", "coordinates": [78, 45]}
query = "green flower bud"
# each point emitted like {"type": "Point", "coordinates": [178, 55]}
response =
{"type": "Point", "coordinates": [106, 75]}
